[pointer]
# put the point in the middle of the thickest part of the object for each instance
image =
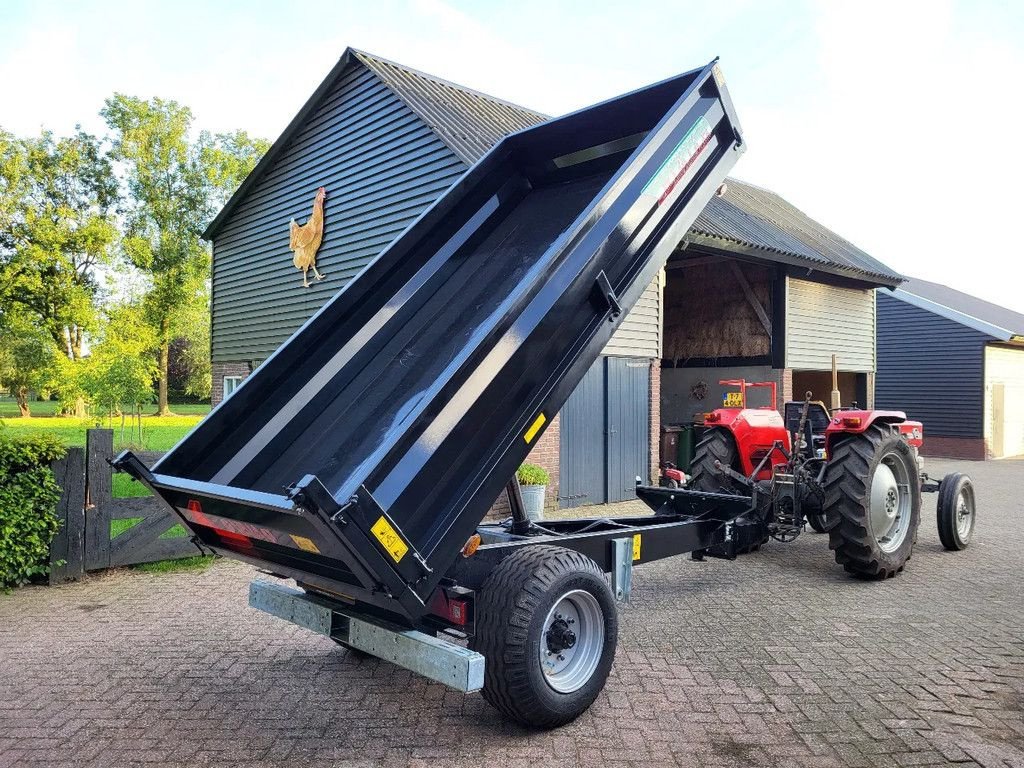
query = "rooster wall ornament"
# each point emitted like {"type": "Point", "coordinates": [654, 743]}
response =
{"type": "Point", "coordinates": [306, 239]}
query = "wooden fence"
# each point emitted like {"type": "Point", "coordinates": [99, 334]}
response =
{"type": "Point", "coordinates": [99, 531]}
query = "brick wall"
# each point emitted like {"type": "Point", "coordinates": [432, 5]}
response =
{"type": "Point", "coordinates": [218, 371]}
{"type": "Point", "coordinates": [953, 447]}
{"type": "Point", "coordinates": [544, 454]}
{"type": "Point", "coordinates": [655, 405]}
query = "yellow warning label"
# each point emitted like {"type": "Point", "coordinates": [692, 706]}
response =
{"type": "Point", "coordinates": [636, 546]}
{"type": "Point", "coordinates": [303, 543]}
{"type": "Point", "coordinates": [390, 539]}
{"type": "Point", "coordinates": [535, 427]}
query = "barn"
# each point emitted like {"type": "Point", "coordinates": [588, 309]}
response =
{"type": "Point", "coordinates": [755, 290]}
{"type": "Point", "coordinates": [956, 363]}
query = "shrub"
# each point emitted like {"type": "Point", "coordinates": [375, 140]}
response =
{"type": "Point", "coordinates": [531, 474]}
{"type": "Point", "coordinates": [29, 495]}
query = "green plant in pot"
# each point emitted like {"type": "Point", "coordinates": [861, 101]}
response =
{"type": "Point", "coordinates": [533, 482]}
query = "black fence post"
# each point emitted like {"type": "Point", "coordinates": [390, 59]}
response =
{"type": "Point", "coordinates": [67, 560]}
{"type": "Point", "coordinates": [99, 449]}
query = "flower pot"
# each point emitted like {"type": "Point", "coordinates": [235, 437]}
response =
{"type": "Point", "coordinates": [533, 500]}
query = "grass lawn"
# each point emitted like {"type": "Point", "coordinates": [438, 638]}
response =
{"type": "Point", "coordinates": [159, 433]}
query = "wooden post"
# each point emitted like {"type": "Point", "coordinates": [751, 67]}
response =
{"type": "Point", "coordinates": [99, 448]}
{"type": "Point", "coordinates": [67, 548]}
{"type": "Point", "coordinates": [836, 397]}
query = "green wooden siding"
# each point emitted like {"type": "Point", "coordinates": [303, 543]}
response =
{"type": "Point", "coordinates": [381, 165]}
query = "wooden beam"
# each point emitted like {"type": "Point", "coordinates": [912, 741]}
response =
{"type": "Point", "coordinates": [749, 293]}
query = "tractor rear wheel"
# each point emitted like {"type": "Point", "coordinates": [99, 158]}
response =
{"type": "Point", "coordinates": [873, 493]}
{"type": "Point", "coordinates": [716, 445]}
{"type": "Point", "coordinates": [547, 628]}
{"type": "Point", "coordinates": [817, 521]}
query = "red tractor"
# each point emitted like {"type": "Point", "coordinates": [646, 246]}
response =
{"type": "Point", "coordinates": [852, 473]}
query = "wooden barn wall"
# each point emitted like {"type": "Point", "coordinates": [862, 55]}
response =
{"type": "Point", "coordinates": [707, 314]}
{"type": "Point", "coordinates": [639, 335]}
{"type": "Point", "coordinates": [381, 165]}
{"type": "Point", "coordinates": [822, 320]}
{"type": "Point", "coordinates": [931, 367]}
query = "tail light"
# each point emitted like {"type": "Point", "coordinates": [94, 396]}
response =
{"type": "Point", "coordinates": [713, 416]}
{"type": "Point", "coordinates": [852, 421]}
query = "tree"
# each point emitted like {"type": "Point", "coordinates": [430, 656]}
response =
{"type": "Point", "coordinates": [26, 358]}
{"type": "Point", "coordinates": [56, 215]}
{"type": "Point", "coordinates": [121, 369]}
{"type": "Point", "coordinates": [173, 187]}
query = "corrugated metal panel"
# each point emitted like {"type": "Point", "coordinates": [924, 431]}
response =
{"type": "Point", "coordinates": [757, 218]}
{"type": "Point", "coordinates": [930, 367]}
{"type": "Point", "coordinates": [581, 460]}
{"type": "Point", "coordinates": [966, 308]}
{"type": "Point", "coordinates": [822, 320]}
{"type": "Point", "coordinates": [629, 435]}
{"type": "Point", "coordinates": [639, 334]}
{"type": "Point", "coordinates": [382, 167]}
{"type": "Point", "coordinates": [468, 121]}
{"type": "Point", "coordinates": [1004, 401]}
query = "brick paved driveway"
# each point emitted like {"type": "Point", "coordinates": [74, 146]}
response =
{"type": "Point", "coordinates": [777, 659]}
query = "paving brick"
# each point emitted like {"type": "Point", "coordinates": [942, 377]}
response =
{"type": "Point", "coordinates": [775, 659]}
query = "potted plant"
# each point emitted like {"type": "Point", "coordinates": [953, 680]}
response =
{"type": "Point", "coordinates": [533, 481]}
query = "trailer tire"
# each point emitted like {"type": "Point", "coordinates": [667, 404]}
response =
{"type": "Point", "coordinates": [715, 445]}
{"type": "Point", "coordinates": [955, 511]}
{"type": "Point", "coordinates": [515, 622]}
{"type": "Point", "coordinates": [872, 488]}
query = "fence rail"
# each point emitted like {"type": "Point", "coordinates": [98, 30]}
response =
{"type": "Point", "coordinates": [99, 531]}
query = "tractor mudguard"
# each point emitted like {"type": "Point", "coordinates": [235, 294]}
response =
{"type": "Point", "coordinates": [855, 422]}
{"type": "Point", "coordinates": [755, 431]}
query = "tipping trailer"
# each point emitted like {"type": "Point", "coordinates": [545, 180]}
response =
{"type": "Point", "coordinates": [362, 457]}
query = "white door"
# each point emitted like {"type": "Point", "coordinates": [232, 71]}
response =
{"type": "Point", "coordinates": [1004, 401]}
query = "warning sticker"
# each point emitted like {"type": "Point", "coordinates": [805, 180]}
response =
{"type": "Point", "coordinates": [389, 539]}
{"type": "Point", "coordinates": [535, 427]}
{"type": "Point", "coordinates": [305, 544]}
{"type": "Point", "coordinates": [636, 546]}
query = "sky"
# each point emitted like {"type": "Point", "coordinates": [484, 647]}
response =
{"type": "Point", "coordinates": [893, 123]}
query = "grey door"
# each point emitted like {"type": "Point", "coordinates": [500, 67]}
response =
{"type": "Point", "coordinates": [605, 443]}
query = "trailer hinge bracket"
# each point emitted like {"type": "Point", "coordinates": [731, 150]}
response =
{"type": "Point", "coordinates": [312, 495]}
{"type": "Point", "coordinates": [604, 288]}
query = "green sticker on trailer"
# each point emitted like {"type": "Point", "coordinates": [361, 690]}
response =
{"type": "Point", "coordinates": [679, 160]}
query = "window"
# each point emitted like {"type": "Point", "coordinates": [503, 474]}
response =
{"type": "Point", "coordinates": [231, 383]}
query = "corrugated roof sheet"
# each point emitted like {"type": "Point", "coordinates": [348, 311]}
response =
{"type": "Point", "coordinates": [468, 121]}
{"type": "Point", "coordinates": [971, 307]}
{"type": "Point", "coordinates": [757, 218]}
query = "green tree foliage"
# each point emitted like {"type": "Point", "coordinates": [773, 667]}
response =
{"type": "Point", "coordinates": [29, 495]}
{"type": "Point", "coordinates": [121, 369]}
{"type": "Point", "coordinates": [56, 216]}
{"type": "Point", "coordinates": [27, 357]}
{"type": "Point", "coordinates": [173, 188]}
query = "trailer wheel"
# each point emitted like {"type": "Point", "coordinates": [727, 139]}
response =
{"type": "Point", "coordinates": [955, 511]}
{"type": "Point", "coordinates": [547, 627]}
{"type": "Point", "coordinates": [715, 445]}
{"type": "Point", "coordinates": [872, 489]}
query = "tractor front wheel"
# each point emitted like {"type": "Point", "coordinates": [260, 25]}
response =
{"type": "Point", "coordinates": [955, 511]}
{"type": "Point", "coordinates": [873, 493]}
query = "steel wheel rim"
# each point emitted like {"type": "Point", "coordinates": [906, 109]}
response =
{"type": "Point", "coordinates": [890, 510]}
{"type": "Point", "coordinates": [572, 640]}
{"type": "Point", "coordinates": [964, 514]}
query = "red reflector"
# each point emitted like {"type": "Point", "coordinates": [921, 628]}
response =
{"type": "Point", "coordinates": [713, 416]}
{"type": "Point", "coordinates": [230, 537]}
{"type": "Point", "coordinates": [458, 612]}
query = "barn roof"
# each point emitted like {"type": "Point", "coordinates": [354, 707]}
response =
{"type": "Point", "coordinates": [998, 322]}
{"type": "Point", "coordinates": [746, 218]}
